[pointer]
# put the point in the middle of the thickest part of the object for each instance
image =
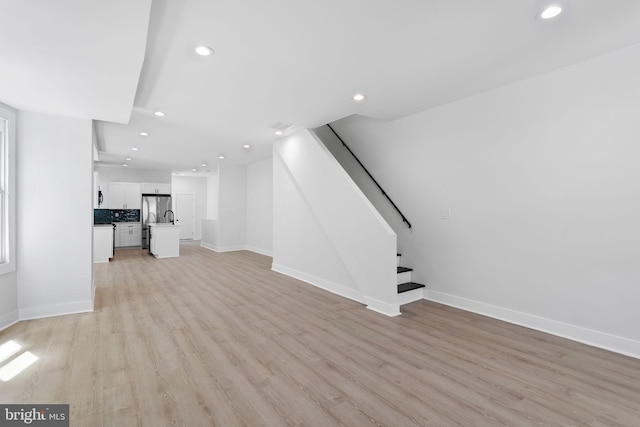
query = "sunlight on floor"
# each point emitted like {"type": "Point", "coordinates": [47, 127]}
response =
{"type": "Point", "coordinates": [8, 349]}
{"type": "Point", "coordinates": [18, 364]}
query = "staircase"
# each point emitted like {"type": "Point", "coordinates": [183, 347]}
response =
{"type": "Point", "coordinates": [408, 291]}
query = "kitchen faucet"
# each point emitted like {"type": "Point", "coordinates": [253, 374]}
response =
{"type": "Point", "coordinates": [172, 216]}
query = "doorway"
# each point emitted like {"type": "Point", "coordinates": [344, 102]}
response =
{"type": "Point", "coordinates": [186, 215]}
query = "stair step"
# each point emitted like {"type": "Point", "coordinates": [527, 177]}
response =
{"type": "Point", "coordinates": [404, 269]}
{"type": "Point", "coordinates": [409, 286]}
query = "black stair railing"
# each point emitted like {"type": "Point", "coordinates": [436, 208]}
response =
{"type": "Point", "coordinates": [384, 193]}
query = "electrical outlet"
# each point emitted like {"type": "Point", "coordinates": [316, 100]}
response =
{"type": "Point", "coordinates": [445, 214]}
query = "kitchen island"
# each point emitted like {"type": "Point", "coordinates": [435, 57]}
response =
{"type": "Point", "coordinates": [164, 240]}
{"type": "Point", "coordinates": [102, 242]}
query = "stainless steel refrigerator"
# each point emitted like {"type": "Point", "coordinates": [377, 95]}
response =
{"type": "Point", "coordinates": [156, 208]}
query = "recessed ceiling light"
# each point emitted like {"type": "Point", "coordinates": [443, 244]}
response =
{"type": "Point", "coordinates": [204, 50]}
{"type": "Point", "coordinates": [278, 132]}
{"type": "Point", "coordinates": [125, 165]}
{"type": "Point", "coordinates": [204, 165]}
{"type": "Point", "coordinates": [358, 97]}
{"type": "Point", "coordinates": [134, 148]}
{"type": "Point", "coordinates": [194, 170]}
{"type": "Point", "coordinates": [128, 159]}
{"type": "Point", "coordinates": [221, 157]}
{"type": "Point", "coordinates": [159, 113]}
{"type": "Point", "coordinates": [551, 12]}
{"type": "Point", "coordinates": [144, 133]}
{"type": "Point", "coordinates": [247, 146]}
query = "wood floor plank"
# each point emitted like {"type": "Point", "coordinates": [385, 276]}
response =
{"type": "Point", "coordinates": [219, 339]}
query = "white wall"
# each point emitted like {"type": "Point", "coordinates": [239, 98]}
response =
{"type": "Point", "coordinates": [541, 178]}
{"type": "Point", "coordinates": [240, 209]}
{"type": "Point", "coordinates": [107, 174]}
{"type": "Point", "coordinates": [325, 230]}
{"type": "Point", "coordinates": [259, 235]}
{"type": "Point", "coordinates": [8, 276]}
{"type": "Point", "coordinates": [198, 187]}
{"type": "Point", "coordinates": [232, 207]}
{"type": "Point", "coordinates": [368, 187]}
{"type": "Point", "coordinates": [212, 196]}
{"type": "Point", "coordinates": [226, 227]}
{"type": "Point", "coordinates": [8, 299]}
{"type": "Point", "coordinates": [54, 225]}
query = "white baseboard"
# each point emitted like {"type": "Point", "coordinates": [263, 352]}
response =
{"type": "Point", "coordinates": [29, 313]}
{"type": "Point", "coordinates": [222, 248]}
{"type": "Point", "coordinates": [382, 307]}
{"type": "Point", "coordinates": [255, 249]}
{"type": "Point", "coordinates": [259, 250]}
{"type": "Point", "coordinates": [231, 248]}
{"type": "Point", "coordinates": [9, 319]}
{"type": "Point", "coordinates": [614, 343]}
{"type": "Point", "coordinates": [378, 306]}
{"type": "Point", "coordinates": [343, 291]}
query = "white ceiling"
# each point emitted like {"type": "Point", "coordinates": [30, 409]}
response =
{"type": "Point", "coordinates": [292, 61]}
{"type": "Point", "coordinates": [73, 58]}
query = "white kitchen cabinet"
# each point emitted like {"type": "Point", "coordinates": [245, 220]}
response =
{"type": "Point", "coordinates": [156, 188]}
{"type": "Point", "coordinates": [102, 243]}
{"type": "Point", "coordinates": [124, 195]}
{"type": "Point", "coordinates": [133, 196]}
{"type": "Point", "coordinates": [128, 234]}
{"type": "Point", "coordinates": [136, 236]}
{"type": "Point", "coordinates": [117, 195]}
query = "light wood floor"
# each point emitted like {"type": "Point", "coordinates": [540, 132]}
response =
{"type": "Point", "coordinates": [218, 339]}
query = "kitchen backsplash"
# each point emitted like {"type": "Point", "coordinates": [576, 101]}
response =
{"type": "Point", "coordinates": [107, 216]}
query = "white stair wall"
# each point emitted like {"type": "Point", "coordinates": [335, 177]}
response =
{"type": "Point", "coordinates": [326, 231]}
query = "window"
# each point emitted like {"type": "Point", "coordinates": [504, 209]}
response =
{"type": "Point", "coordinates": [7, 189]}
